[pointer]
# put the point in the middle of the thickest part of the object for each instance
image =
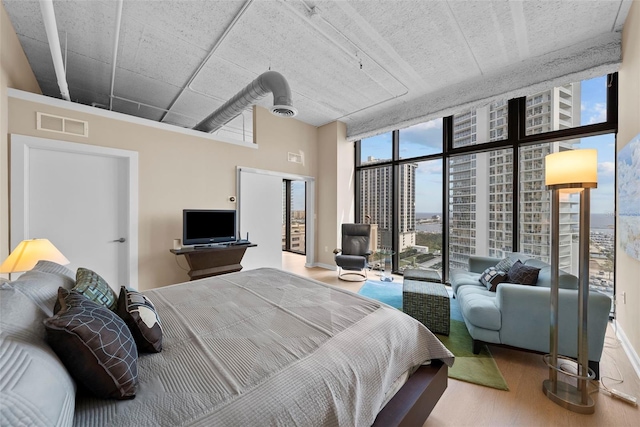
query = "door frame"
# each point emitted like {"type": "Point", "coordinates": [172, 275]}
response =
{"type": "Point", "coordinates": [21, 146]}
{"type": "Point", "coordinates": [310, 226]}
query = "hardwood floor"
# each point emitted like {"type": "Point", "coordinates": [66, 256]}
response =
{"type": "Point", "coordinates": [465, 404]}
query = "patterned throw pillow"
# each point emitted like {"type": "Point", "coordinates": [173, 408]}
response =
{"type": "Point", "coordinates": [140, 315]}
{"type": "Point", "coordinates": [523, 274]}
{"type": "Point", "coordinates": [94, 287]}
{"type": "Point", "coordinates": [95, 345]}
{"type": "Point", "coordinates": [505, 264]}
{"type": "Point", "coordinates": [492, 277]}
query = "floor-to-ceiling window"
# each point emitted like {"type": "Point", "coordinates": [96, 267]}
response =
{"type": "Point", "coordinates": [473, 183]}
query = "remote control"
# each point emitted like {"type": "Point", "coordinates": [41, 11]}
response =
{"type": "Point", "coordinates": [631, 400]}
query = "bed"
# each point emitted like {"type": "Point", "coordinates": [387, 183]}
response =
{"type": "Point", "coordinates": [259, 347]}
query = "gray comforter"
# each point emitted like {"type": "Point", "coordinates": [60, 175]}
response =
{"type": "Point", "coordinates": [265, 347]}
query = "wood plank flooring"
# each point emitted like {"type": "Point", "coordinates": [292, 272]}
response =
{"type": "Point", "coordinates": [465, 404]}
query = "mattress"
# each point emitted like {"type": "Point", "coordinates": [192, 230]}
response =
{"type": "Point", "coordinates": [267, 347]}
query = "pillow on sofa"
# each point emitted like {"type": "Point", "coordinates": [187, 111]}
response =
{"type": "Point", "coordinates": [505, 264]}
{"type": "Point", "coordinates": [492, 277]}
{"type": "Point", "coordinates": [91, 285]}
{"type": "Point", "coordinates": [523, 274]}
{"type": "Point", "coordinates": [37, 390]}
{"type": "Point", "coordinates": [95, 345]}
{"type": "Point", "coordinates": [141, 317]}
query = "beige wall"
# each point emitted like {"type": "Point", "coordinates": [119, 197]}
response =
{"type": "Point", "coordinates": [178, 171]}
{"type": "Point", "coordinates": [326, 200]}
{"type": "Point", "coordinates": [335, 191]}
{"type": "Point", "coordinates": [15, 72]}
{"type": "Point", "coordinates": [627, 268]}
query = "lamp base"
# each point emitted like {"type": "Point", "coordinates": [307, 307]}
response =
{"type": "Point", "coordinates": [568, 396]}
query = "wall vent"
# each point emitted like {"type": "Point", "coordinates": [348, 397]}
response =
{"type": "Point", "coordinates": [59, 124]}
{"type": "Point", "coordinates": [295, 158]}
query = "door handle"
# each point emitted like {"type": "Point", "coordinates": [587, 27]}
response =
{"type": "Point", "coordinates": [120, 240]}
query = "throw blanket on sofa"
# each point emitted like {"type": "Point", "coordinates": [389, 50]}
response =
{"type": "Point", "coordinates": [266, 347]}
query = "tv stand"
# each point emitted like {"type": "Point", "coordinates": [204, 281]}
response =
{"type": "Point", "coordinates": [212, 260]}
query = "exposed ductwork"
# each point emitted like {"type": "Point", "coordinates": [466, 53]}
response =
{"type": "Point", "coordinates": [51, 28]}
{"type": "Point", "coordinates": [270, 81]}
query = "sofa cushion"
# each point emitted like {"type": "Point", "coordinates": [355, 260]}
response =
{"type": "Point", "coordinates": [460, 277]}
{"type": "Point", "coordinates": [492, 277]}
{"type": "Point", "coordinates": [478, 306]}
{"type": "Point", "coordinates": [565, 280]}
{"type": "Point", "coordinates": [523, 274]}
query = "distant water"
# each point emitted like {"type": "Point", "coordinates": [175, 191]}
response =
{"type": "Point", "coordinates": [602, 223]}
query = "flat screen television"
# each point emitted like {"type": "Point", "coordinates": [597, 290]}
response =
{"type": "Point", "coordinates": [206, 226]}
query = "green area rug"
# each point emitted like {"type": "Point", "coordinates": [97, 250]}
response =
{"type": "Point", "coordinates": [473, 368]}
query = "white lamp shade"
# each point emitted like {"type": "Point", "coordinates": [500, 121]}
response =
{"type": "Point", "coordinates": [572, 167]}
{"type": "Point", "coordinates": [27, 254]}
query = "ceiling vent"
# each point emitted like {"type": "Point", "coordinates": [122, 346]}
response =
{"type": "Point", "coordinates": [270, 81]}
{"type": "Point", "coordinates": [60, 124]}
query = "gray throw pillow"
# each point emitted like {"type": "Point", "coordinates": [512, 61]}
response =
{"type": "Point", "coordinates": [505, 264]}
{"type": "Point", "coordinates": [523, 274]}
{"type": "Point", "coordinates": [492, 277]}
{"type": "Point", "coordinates": [95, 345]}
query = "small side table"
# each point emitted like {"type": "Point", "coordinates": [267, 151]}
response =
{"type": "Point", "coordinates": [428, 303]}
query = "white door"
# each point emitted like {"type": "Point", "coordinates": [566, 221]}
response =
{"type": "Point", "coordinates": [260, 214]}
{"type": "Point", "coordinates": [78, 197]}
{"type": "Point", "coordinates": [260, 205]}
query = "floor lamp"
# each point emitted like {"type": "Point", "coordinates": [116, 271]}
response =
{"type": "Point", "coordinates": [570, 171]}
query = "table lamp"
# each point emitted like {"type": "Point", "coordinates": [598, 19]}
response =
{"type": "Point", "coordinates": [570, 171]}
{"type": "Point", "coordinates": [27, 254]}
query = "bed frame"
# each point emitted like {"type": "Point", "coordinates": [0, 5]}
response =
{"type": "Point", "coordinates": [413, 403]}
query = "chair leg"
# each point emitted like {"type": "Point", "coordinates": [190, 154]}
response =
{"type": "Point", "coordinates": [477, 346]}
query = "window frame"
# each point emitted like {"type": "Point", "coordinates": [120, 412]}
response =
{"type": "Point", "coordinates": [516, 128]}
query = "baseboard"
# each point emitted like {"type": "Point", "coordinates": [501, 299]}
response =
{"type": "Point", "coordinates": [321, 265]}
{"type": "Point", "coordinates": [628, 348]}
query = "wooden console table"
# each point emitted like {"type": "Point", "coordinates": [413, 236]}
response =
{"type": "Point", "coordinates": [213, 260]}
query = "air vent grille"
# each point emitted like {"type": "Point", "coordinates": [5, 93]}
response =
{"type": "Point", "coordinates": [295, 158]}
{"type": "Point", "coordinates": [59, 124]}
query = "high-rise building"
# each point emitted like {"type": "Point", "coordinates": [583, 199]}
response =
{"type": "Point", "coordinates": [481, 185]}
{"type": "Point", "coordinates": [376, 204]}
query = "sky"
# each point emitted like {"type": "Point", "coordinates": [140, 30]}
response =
{"type": "Point", "coordinates": [426, 138]}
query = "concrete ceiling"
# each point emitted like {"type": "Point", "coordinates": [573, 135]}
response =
{"type": "Point", "coordinates": [375, 65]}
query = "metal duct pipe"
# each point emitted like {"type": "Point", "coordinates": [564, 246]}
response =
{"type": "Point", "coordinates": [270, 81]}
{"type": "Point", "coordinates": [116, 38]}
{"type": "Point", "coordinates": [49, 18]}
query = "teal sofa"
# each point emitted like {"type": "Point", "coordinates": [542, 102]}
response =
{"type": "Point", "coordinates": [519, 315]}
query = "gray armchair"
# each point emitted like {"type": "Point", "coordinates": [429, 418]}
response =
{"type": "Point", "coordinates": [353, 257]}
